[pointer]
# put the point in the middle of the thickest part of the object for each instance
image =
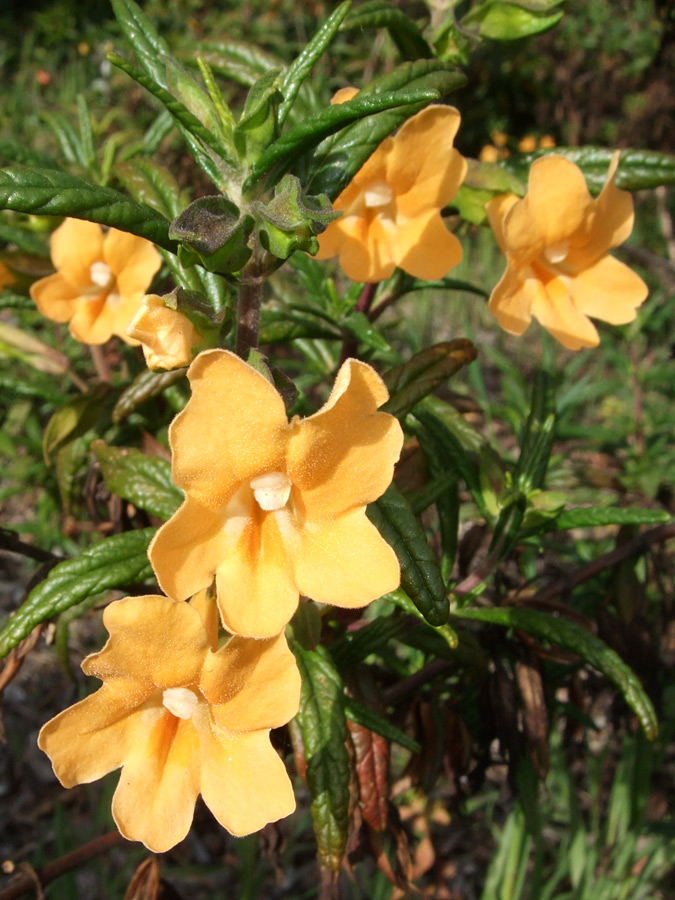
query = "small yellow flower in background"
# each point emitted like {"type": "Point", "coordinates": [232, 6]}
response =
{"type": "Point", "coordinates": [99, 281]}
{"type": "Point", "coordinates": [276, 509]}
{"type": "Point", "coordinates": [181, 718]}
{"type": "Point", "coordinates": [392, 207]}
{"type": "Point", "coordinates": [556, 241]}
{"type": "Point", "coordinates": [547, 142]}
{"type": "Point", "coordinates": [489, 154]}
{"type": "Point", "coordinates": [527, 144]}
{"type": "Point", "coordinates": [168, 337]}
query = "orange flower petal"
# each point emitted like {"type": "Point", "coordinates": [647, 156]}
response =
{"type": "Point", "coordinates": [186, 550]}
{"type": "Point", "coordinates": [255, 588]}
{"type": "Point", "coordinates": [93, 737]}
{"type": "Point", "coordinates": [55, 297]}
{"type": "Point", "coordinates": [244, 783]}
{"type": "Point", "coordinates": [611, 223]}
{"type": "Point", "coordinates": [422, 166]}
{"type": "Point", "coordinates": [556, 205]}
{"type": "Point", "coordinates": [345, 562]}
{"type": "Point", "coordinates": [511, 300]}
{"type": "Point", "coordinates": [497, 209]}
{"type": "Point", "coordinates": [234, 428]}
{"type": "Point", "coordinates": [609, 291]}
{"type": "Point", "coordinates": [343, 456]}
{"type": "Point", "coordinates": [558, 314]}
{"type": "Point", "coordinates": [424, 247]}
{"type": "Point", "coordinates": [133, 260]}
{"type": "Point", "coordinates": [252, 685]}
{"type": "Point", "coordinates": [152, 640]}
{"type": "Point", "coordinates": [155, 799]}
{"type": "Point", "coordinates": [75, 246]}
{"type": "Point", "coordinates": [93, 320]}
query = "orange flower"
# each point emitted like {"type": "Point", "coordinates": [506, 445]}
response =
{"type": "Point", "coordinates": [99, 281]}
{"type": "Point", "coordinates": [168, 337]}
{"type": "Point", "coordinates": [181, 718]}
{"type": "Point", "coordinates": [277, 509]}
{"type": "Point", "coordinates": [556, 241]}
{"type": "Point", "coordinates": [392, 207]}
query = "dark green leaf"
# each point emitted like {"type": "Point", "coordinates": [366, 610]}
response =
{"type": "Point", "coordinates": [337, 160]}
{"type": "Point", "coordinates": [404, 32]}
{"type": "Point", "coordinates": [502, 21]}
{"type": "Point", "coordinates": [420, 576]}
{"type": "Point", "coordinates": [301, 138]}
{"type": "Point", "coordinates": [148, 46]}
{"type": "Point", "coordinates": [402, 600]}
{"type": "Point", "coordinates": [113, 563]}
{"type": "Point", "coordinates": [538, 435]}
{"type": "Point", "coordinates": [150, 183]}
{"type": "Point", "coordinates": [300, 68]}
{"type": "Point", "coordinates": [25, 240]}
{"type": "Point", "coordinates": [571, 636]}
{"type": "Point", "coordinates": [638, 169]}
{"type": "Point", "coordinates": [359, 326]}
{"type": "Point", "coordinates": [594, 516]}
{"type": "Point", "coordinates": [365, 716]}
{"type": "Point", "coordinates": [144, 387]}
{"type": "Point", "coordinates": [67, 138]}
{"type": "Point", "coordinates": [321, 719]}
{"type": "Point", "coordinates": [353, 647]}
{"type": "Point", "coordinates": [237, 61]}
{"type": "Point", "coordinates": [48, 192]}
{"type": "Point", "coordinates": [17, 153]}
{"type": "Point", "coordinates": [142, 479]}
{"type": "Point", "coordinates": [86, 132]}
{"type": "Point", "coordinates": [409, 382]}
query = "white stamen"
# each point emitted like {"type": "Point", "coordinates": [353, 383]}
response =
{"type": "Point", "coordinates": [557, 253]}
{"type": "Point", "coordinates": [180, 701]}
{"type": "Point", "coordinates": [378, 193]}
{"type": "Point", "coordinates": [100, 274]}
{"type": "Point", "coordinates": [271, 490]}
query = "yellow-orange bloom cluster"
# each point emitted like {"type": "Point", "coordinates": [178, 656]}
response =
{"type": "Point", "coordinates": [557, 241]}
{"type": "Point", "coordinates": [273, 508]}
{"type": "Point", "coordinates": [99, 282]}
{"type": "Point", "coordinates": [182, 718]}
{"type": "Point", "coordinates": [392, 207]}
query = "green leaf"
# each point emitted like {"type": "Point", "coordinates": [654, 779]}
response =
{"type": "Point", "coordinates": [595, 516]}
{"type": "Point", "coordinates": [359, 326]}
{"type": "Point", "coordinates": [565, 633]}
{"type": "Point", "coordinates": [502, 21]}
{"type": "Point", "coordinates": [148, 46]}
{"type": "Point", "coordinates": [150, 183]}
{"type": "Point", "coordinates": [420, 575]}
{"type": "Point", "coordinates": [284, 325]}
{"type": "Point", "coordinates": [86, 132]}
{"type": "Point", "coordinates": [144, 387]}
{"type": "Point", "coordinates": [638, 169]}
{"type": "Point", "coordinates": [403, 30]}
{"type": "Point", "coordinates": [48, 192]}
{"type": "Point", "coordinates": [300, 68]}
{"type": "Point", "coordinates": [365, 716]}
{"type": "Point", "coordinates": [428, 370]}
{"type": "Point", "coordinates": [237, 61]}
{"type": "Point", "coordinates": [73, 419]}
{"type": "Point", "coordinates": [337, 160]}
{"type": "Point", "coordinates": [67, 138]}
{"type": "Point", "coordinates": [299, 139]}
{"type": "Point", "coordinates": [446, 501]}
{"type": "Point", "coordinates": [19, 154]}
{"type": "Point", "coordinates": [321, 720]}
{"type": "Point", "coordinates": [142, 479]}
{"type": "Point", "coordinates": [24, 239]}
{"type": "Point", "coordinates": [114, 562]}
{"type": "Point", "coordinates": [538, 434]}
{"type": "Point", "coordinates": [403, 601]}
{"type": "Point", "coordinates": [353, 647]}
{"type": "Point", "coordinates": [71, 459]}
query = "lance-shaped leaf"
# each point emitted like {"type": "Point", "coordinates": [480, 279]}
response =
{"type": "Point", "coordinates": [638, 169]}
{"type": "Point", "coordinates": [237, 61]}
{"type": "Point", "coordinates": [371, 752]}
{"type": "Point", "coordinates": [409, 382]}
{"type": "Point", "coordinates": [353, 647]}
{"type": "Point", "coordinates": [144, 387]}
{"type": "Point", "coordinates": [571, 636]}
{"type": "Point", "coordinates": [538, 434]}
{"type": "Point", "coordinates": [16, 152]}
{"type": "Point", "coordinates": [300, 68]}
{"type": "Point", "coordinates": [142, 479]}
{"type": "Point", "coordinates": [447, 500]}
{"type": "Point", "coordinates": [48, 192]}
{"type": "Point", "coordinates": [301, 138]}
{"type": "Point", "coordinates": [365, 716]}
{"type": "Point", "coordinates": [74, 418]}
{"type": "Point", "coordinates": [509, 21]}
{"type": "Point", "coordinates": [420, 575]}
{"type": "Point", "coordinates": [595, 516]}
{"type": "Point", "coordinates": [337, 160]}
{"type": "Point", "coordinates": [113, 563]}
{"type": "Point", "coordinates": [152, 184]}
{"type": "Point", "coordinates": [403, 30]}
{"type": "Point", "coordinates": [403, 601]}
{"type": "Point", "coordinates": [324, 734]}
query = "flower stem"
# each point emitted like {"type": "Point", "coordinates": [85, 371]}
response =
{"type": "Point", "coordinates": [248, 316]}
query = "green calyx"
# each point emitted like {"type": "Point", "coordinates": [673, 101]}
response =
{"type": "Point", "coordinates": [291, 220]}
{"type": "Point", "coordinates": [212, 233]}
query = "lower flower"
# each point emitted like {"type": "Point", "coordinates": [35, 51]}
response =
{"type": "Point", "coordinates": [181, 718]}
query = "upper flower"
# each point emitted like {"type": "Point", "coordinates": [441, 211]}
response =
{"type": "Point", "coordinates": [168, 337]}
{"type": "Point", "coordinates": [99, 281]}
{"type": "Point", "coordinates": [181, 718]}
{"type": "Point", "coordinates": [392, 207]}
{"type": "Point", "coordinates": [556, 241]}
{"type": "Point", "coordinates": [277, 509]}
